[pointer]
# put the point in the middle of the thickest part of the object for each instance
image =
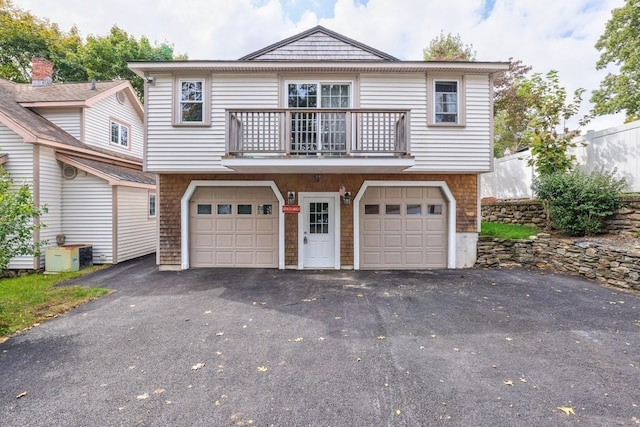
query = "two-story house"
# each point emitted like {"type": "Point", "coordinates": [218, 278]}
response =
{"type": "Point", "coordinates": [318, 152]}
{"type": "Point", "coordinates": [79, 146]}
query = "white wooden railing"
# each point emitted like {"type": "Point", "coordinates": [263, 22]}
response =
{"type": "Point", "coordinates": [318, 132]}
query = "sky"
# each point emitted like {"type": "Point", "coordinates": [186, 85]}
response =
{"type": "Point", "coordinates": [545, 34]}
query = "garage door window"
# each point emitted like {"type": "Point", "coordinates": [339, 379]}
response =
{"type": "Point", "coordinates": [204, 209]}
{"type": "Point", "coordinates": [265, 209]}
{"type": "Point", "coordinates": [414, 210]}
{"type": "Point", "coordinates": [434, 209]}
{"type": "Point", "coordinates": [393, 209]}
{"type": "Point", "coordinates": [371, 209]}
{"type": "Point", "coordinates": [244, 209]}
{"type": "Point", "coordinates": [224, 209]}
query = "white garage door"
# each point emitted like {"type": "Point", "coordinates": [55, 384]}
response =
{"type": "Point", "coordinates": [403, 227]}
{"type": "Point", "coordinates": [233, 227]}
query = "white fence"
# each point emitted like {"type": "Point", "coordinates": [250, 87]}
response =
{"type": "Point", "coordinates": [614, 148]}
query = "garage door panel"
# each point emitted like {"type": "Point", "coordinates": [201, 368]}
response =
{"type": "Point", "coordinates": [265, 241]}
{"type": "Point", "coordinates": [245, 225]}
{"type": "Point", "coordinates": [224, 225]}
{"type": "Point", "coordinates": [204, 225]}
{"type": "Point", "coordinates": [413, 224]}
{"type": "Point", "coordinates": [245, 241]}
{"type": "Point", "coordinates": [372, 224]}
{"type": "Point", "coordinates": [202, 240]}
{"type": "Point", "coordinates": [266, 225]}
{"type": "Point", "coordinates": [403, 232]}
{"type": "Point", "coordinates": [224, 258]}
{"type": "Point", "coordinates": [224, 241]}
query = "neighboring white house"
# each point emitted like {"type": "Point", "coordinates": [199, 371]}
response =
{"type": "Point", "coordinates": [318, 152]}
{"type": "Point", "coordinates": [616, 148]}
{"type": "Point", "coordinates": [79, 146]}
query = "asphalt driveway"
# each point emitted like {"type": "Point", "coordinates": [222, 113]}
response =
{"type": "Point", "coordinates": [288, 348]}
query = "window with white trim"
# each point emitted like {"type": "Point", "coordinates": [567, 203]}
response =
{"type": "Point", "coordinates": [152, 205]}
{"type": "Point", "coordinates": [191, 101]}
{"type": "Point", "coordinates": [446, 101]}
{"type": "Point", "coordinates": [120, 134]}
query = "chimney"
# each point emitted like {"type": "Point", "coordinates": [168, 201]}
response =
{"type": "Point", "coordinates": [41, 72]}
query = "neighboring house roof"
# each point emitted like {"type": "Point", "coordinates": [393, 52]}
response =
{"type": "Point", "coordinates": [115, 175]}
{"type": "Point", "coordinates": [318, 44]}
{"type": "Point", "coordinates": [34, 128]}
{"type": "Point", "coordinates": [74, 94]}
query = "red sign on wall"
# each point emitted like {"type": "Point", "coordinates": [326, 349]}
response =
{"type": "Point", "coordinates": [291, 209]}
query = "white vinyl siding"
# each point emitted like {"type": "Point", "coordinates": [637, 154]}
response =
{"type": "Point", "coordinates": [87, 214]}
{"type": "Point", "coordinates": [51, 196]}
{"type": "Point", "coordinates": [67, 119]}
{"type": "Point", "coordinates": [437, 149]}
{"type": "Point", "coordinates": [178, 148]}
{"type": "Point", "coordinates": [98, 120]}
{"type": "Point", "coordinates": [20, 165]}
{"type": "Point", "coordinates": [136, 231]}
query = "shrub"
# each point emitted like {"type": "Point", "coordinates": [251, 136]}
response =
{"type": "Point", "coordinates": [578, 203]}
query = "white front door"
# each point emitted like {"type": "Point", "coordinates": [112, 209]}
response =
{"type": "Point", "coordinates": [319, 232]}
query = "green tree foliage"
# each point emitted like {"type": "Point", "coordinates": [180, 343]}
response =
{"type": "Point", "coordinates": [24, 36]}
{"type": "Point", "coordinates": [105, 57]}
{"type": "Point", "coordinates": [447, 47]}
{"type": "Point", "coordinates": [18, 220]}
{"type": "Point", "coordinates": [620, 46]}
{"type": "Point", "coordinates": [547, 111]}
{"type": "Point", "coordinates": [510, 110]}
{"type": "Point", "coordinates": [578, 203]}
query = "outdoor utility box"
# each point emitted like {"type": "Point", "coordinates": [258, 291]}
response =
{"type": "Point", "coordinates": [68, 257]}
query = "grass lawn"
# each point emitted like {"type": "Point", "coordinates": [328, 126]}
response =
{"type": "Point", "coordinates": [27, 300]}
{"type": "Point", "coordinates": [507, 231]}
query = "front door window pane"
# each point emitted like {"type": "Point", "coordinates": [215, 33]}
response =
{"type": "Point", "coordinates": [319, 218]}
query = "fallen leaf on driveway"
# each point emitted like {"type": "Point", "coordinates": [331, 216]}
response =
{"type": "Point", "coordinates": [381, 337]}
{"type": "Point", "coordinates": [207, 312]}
{"type": "Point", "coordinates": [297, 339]}
{"type": "Point", "coordinates": [197, 366]}
{"type": "Point", "coordinates": [566, 410]}
{"type": "Point", "coordinates": [158, 391]}
{"type": "Point", "coordinates": [219, 334]}
{"type": "Point", "coordinates": [398, 412]}
{"type": "Point", "coordinates": [262, 369]}
{"type": "Point", "coordinates": [23, 394]}
{"type": "Point", "coordinates": [143, 396]}
{"type": "Point", "coordinates": [509, 339]}
{"type": "Point", "coordinates": [508, 382]}
{"type": "Point", "coordinates": [308, 299]}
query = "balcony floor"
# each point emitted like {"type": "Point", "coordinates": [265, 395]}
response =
{"type": "Point", "coordinates": [313, 164]}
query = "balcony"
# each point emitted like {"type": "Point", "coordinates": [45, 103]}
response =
{"type": "Point", "coordinates": [325, 133]}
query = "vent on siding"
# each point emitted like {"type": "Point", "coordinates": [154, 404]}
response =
{"type": "Point", "coordinates": [69, 172]}
{"type": "Point", "coordinates": [120, 97]}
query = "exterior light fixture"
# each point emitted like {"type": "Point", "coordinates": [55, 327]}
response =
{"type": "Point", "coordinates": [346, 199]}
{"type": "Point", "coordinates": [291, 198]}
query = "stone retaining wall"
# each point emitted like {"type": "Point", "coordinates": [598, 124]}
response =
{"type": "Point", "coordinates": [611, 265]}
{"type": "Point", "coordinates": [530, 212]}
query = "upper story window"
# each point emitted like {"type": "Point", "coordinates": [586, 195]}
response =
{"type": "Point", "coordinates": [192, 106]}
{"type": "Point", "coordinates": [120, 134]}
{"type": "Point", "coordinates": [446, 101]}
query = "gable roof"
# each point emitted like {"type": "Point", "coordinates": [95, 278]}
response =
{"type": "Point", "coordinates": [83, 94]}
{"type": "Point", "coordinates": [34, 128]}
{"type": "Point", "coordinates": [318, 44]}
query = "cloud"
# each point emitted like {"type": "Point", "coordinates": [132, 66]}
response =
{"type": "Point", "coordinates": [546, 34]}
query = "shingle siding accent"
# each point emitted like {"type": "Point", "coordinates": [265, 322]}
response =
{"type": "Point", "coordinates": [173, 186]}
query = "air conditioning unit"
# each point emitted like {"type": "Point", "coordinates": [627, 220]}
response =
{"type": "Point", "coordinates": [69, 172]}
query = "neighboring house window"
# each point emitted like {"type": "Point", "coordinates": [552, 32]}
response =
{"type": "Point", "coordinates": [446, 101]}
{"type": "Point", "coordinates": [152, 205]}
{"type": "Point", "coordinates": [192, 106]}
{"type": "Point", "coordinates": [119, 134]}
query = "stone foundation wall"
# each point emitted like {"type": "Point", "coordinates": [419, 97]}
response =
{"type": "Point", "coordinates": [611, 265]}
{"type": "Point", "coordinates": [530, 212]}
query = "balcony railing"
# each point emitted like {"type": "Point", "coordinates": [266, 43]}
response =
{"type": "Point", "coordinates": [318, 132]}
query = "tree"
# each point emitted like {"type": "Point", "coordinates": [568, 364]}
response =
{"type": "Point", "coordinates": [105, 57]}
{"type": "Point", "coordinates": [448, 48]}
{"type": "Point", "coordinates": [510, 118]}
{"type": "Point", "coordinates": [24, 36]}
{"type": "Point", "coordinates": [548, 110]}
{"type": "Point", "coordinates": [620, 45]}
{"type": "Point", "coordinates": [18, 220]}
